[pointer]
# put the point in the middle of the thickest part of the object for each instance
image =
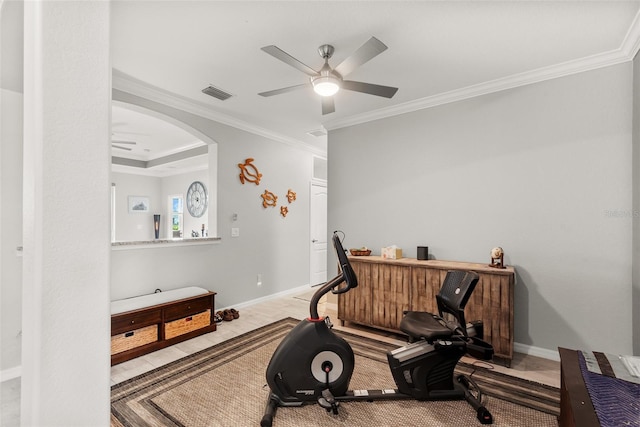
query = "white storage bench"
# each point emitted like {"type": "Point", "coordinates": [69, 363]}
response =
{"type": "Point", "coordinates": [147, 323]}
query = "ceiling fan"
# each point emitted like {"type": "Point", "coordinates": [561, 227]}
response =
{"type": "Point", "coordinates": [115, 143]}
{"type": "Point", "coordinates": [122, 144]}
{"type": "Point", "coordinates": [329, 81]}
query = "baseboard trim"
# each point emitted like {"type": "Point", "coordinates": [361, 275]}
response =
{"type": "Point", "coordinates": [536, 351]}
{"type": "Point", "coordinates": [270, 297]}
{"type": "Point", "coordinates": [11, 373]}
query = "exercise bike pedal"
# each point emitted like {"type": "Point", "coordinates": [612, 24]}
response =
{"type": "Point", "coordinates": [328, 402]}
{"type": "Point", "coordinates": [328, 406]}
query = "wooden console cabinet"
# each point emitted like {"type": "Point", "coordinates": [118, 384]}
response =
{"type": "Point", "coordinates": [141, 331]}
{"type": "Point", "coordinates": [386, 288]}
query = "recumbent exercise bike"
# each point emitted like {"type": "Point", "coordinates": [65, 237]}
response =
{"type": "Point", "coordinates": [313, 364]}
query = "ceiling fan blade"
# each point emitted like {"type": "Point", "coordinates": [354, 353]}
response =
{"type": "Point", "coordinates": [372, 48]}
{"type": "Point", "coordinates": [123, 132]}
{"type": "Point", "coordinates": [328, 106]}
{"type": "Point", "coordinates": [283, 56]}
{"type": "Point", "coordinates": [121, 148]}
{"type": "Point", "coordinates": [284, 90]}
{"type": "Point", "coordinates": [371, 89]}
{"type": "Point", "coordinates": [115, 141]}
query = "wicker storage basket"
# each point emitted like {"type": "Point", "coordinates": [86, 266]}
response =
{"type": "Point", "coordinates": [133, 339]}
{"type": "Point", "coordinates": [187, 324]}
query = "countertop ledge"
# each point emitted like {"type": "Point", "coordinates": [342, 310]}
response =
{"type": "Point", "coordinates": [160, 243]}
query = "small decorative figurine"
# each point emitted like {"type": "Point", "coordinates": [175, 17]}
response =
{"type": "Point", "coordinates": [291, 196]}
{"type": "Point", "coordinates": [248, 172]}
{"type": "Point", "coordinates": [497, 258]}
{"type": "Point", "coordinates": [268, 199]}
{"type": "Point", "coordinates": [284, 211]}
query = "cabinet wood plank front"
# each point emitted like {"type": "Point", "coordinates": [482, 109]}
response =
{"type": "Point", "coordinates": [354, 306]}
{"type": "Point", "coordinates": [390, 295]}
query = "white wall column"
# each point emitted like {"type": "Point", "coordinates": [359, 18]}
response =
{"type": "Point", "coordinates": [67, 92]}
{"type": "Point", "coordinates": [212, 211]}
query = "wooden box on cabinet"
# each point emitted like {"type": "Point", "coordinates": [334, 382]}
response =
{"type": "Point", "coordinates": [387, 287]}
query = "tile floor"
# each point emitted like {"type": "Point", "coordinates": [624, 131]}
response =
{"type": "Point", "coordinates": [260, 314]}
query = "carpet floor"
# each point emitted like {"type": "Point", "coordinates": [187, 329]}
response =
{"type": "Point", "coordinates": [225, 386]}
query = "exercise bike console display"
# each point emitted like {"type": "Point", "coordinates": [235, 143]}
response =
{"type": "Point", "coordinates": [313, 364]}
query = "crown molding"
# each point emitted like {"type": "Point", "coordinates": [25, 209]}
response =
{"type": "Point", "coordinates": [631, 43]}
{"type": "Point", "coordinates": [136, 170]}
{"type": "Point", "coordinates": [126, 83]}
{"type": "Point", "coordinates": [510, 82]}
{"type": "Point", "coordinates": [626, 52]}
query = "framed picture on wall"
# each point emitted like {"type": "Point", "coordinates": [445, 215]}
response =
{"type": "Point", "coordinates": [138, 204]}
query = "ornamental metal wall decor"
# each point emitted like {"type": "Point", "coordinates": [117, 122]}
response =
{"type": "Point", "coordinates": [268, 199]}
{"type": "Point", "coordinates": [249, 172]}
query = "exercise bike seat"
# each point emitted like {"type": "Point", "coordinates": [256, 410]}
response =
{"type": "Point", "coordinates": [452, 298]}
{"type": "Point", "coordinates": [427, 326]}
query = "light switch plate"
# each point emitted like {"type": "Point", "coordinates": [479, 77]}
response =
{"type": "Point", "coordinates": [235, 232]}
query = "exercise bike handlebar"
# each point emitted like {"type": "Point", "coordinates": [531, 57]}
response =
{"type": "Point", "coordinates": [346, 275]}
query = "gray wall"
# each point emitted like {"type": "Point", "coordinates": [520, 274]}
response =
{"type": "Point", "coordinates": [636, 205]}
{"type": "Point", "coordinates": [139, 226]}
{"type": "Point", "coordinates": [541, 170]}
{"type": "Point", "coordinates": [10, 228]}
{"type": "Point", "coordinates": [11, 41]}
{"type": "Point", "coordinates": [10, 183]}
{"type": "Point", "coordinates": [270, 245]}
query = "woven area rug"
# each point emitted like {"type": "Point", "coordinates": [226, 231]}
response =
{"type": "Point", "coordinates": [225, 386]}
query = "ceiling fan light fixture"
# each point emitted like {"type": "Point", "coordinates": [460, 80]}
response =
{"type": "Point", "coordinates": [326, 85]}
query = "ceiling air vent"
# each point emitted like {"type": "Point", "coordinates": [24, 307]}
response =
{"type": "Point", "coordinates": [216, 93]}
{"type": "Point", "coordinates": [317, 133]}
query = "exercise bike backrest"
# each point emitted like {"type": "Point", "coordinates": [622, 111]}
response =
{"type": "Point", "coordinates": [345, 275]}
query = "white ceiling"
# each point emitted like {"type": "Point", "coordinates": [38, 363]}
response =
{"type": "Point", "coordinates": [145, 138]}
{"type": "Point", "coordinates": [438, 51]}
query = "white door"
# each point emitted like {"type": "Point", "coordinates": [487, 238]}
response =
{"type": "Point", "coordinates": [318, 238]}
